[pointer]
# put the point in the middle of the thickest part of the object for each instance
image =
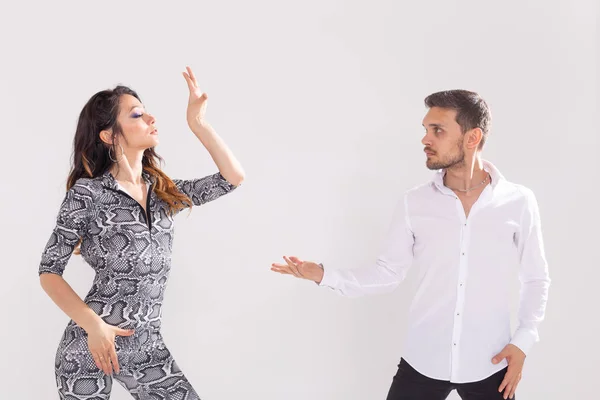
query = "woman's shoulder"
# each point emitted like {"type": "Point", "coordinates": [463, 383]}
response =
{"type": "Point", "coordinates": [87, 186]}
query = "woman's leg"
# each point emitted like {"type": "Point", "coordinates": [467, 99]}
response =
{"type": "Point", "coordinates": [150, 372]}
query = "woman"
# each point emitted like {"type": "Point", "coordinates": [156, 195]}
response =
{"type": "Point", "coordinates": [118, 214]}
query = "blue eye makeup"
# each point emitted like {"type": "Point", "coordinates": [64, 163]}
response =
{"type": "Point", "coordinates": [137, 111]}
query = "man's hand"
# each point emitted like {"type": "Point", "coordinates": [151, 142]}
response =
{"type": "Point", "coordinates": [516, 359]}
{"type": "Point", "coordinates": [300, 269]}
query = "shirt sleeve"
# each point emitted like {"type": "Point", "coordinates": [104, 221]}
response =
{"type": "Point", "coordinates": [390, 268]}
{"type": "Point", "coordinates": [533, 275]}
{"type": "Point", "coordinates": [71, 224]}
{"type": "Point", "coordinates": [203, 190]}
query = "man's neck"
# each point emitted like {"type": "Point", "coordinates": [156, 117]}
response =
{"type": "Point", "coordinates": [465, 176]}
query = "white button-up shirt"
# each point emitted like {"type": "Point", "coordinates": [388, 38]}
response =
{"type": "Point", "coordinates": [460, 316]}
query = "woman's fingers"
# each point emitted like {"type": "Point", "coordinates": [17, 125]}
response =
{"type": "Point", "coordinates": [114, 360]}
{"type": "Point", "coordinates": [124, 332]}
{"type": "Point", "coordinates": [104, 362]}
{"type": "Point", "coordinates": [105, 356]}
{"type": "Point", "coordinates": [189, 82]}
{"type": "Point", "coordinates": [192, 76]}
{"type": "Point", "coordinates": [97, 361]}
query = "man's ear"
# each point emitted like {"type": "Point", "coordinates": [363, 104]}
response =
{"type": "Point", "coordinates": [474, 137]}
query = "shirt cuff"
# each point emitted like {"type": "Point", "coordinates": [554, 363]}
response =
{"type": "Point", "coordinates": [329, 279]}
{"type": "Point", "coordinates": [524, 339]}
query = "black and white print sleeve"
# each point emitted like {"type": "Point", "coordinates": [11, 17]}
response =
{"type": "Point", "coordinates": [203, 190]}
{"type": "Point", "coordinates": [71, 224]}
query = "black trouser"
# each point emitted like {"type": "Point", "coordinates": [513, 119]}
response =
{"type": "Point", "coordinates": [409, 384]}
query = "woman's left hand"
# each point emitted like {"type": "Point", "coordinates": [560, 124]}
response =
{"type": "Point", "coordinates": [197, 101]}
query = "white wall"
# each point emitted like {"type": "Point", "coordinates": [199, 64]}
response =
{"type": "Point", "coordinates": [322, 102]}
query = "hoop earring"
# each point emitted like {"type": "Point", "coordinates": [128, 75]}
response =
{"type": "Point", "coordinates": [111, 157]}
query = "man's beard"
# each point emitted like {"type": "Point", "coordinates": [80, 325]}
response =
{"type": "Point", "coordinates": [450, 161]}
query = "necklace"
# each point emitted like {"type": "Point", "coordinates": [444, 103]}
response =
{"type": "Point", "coordinates": [471, 188]}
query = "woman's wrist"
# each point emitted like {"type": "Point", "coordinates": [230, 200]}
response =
{"type": "Point", "coordinates": [90, 321]}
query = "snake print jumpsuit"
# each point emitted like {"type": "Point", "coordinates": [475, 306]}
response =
{"type": "Point", "coordinates": [131, 255]}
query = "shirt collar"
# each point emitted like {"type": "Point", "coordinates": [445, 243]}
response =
{"type": "Point", "coordinates": [109, 180]}
{"type": "Point", "coordinates": [496, 175]}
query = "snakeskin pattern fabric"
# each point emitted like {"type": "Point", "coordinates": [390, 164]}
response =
{"type": "Point", "coordinates": [130, 252]}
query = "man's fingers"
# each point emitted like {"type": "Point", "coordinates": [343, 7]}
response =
{"type": "Point", "coordinates": [507, 385]}
{"type": "Point", "coordinates": [285, 273]}
{"type": "Point", "coordinates": [292, 267]}
{"type": "Point", "coordinates": [504, 383]}
{"type": "Point", "coordinates": [507, 390]}
{"type": "Point", "coordinates": [499, 357]}
{"type": "Point", "coordinates": [514, 388]}
{"type": "Point", "coordinates": [279, 265]}
{"type": "Point", "coordinates": [296, 260]}
{"type": "Point", "coordinates": [282, 270]}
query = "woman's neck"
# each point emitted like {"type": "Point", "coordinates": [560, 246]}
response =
{"type": "Point", "coordinates": [129, 169]}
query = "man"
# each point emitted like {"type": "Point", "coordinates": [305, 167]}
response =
{"type": "Point", "coordinates": [464, 231]}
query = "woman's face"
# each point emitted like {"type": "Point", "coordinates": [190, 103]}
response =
{"type": "Point", "coordinates": [137, 126]}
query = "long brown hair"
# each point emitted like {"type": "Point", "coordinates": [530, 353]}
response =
{"type": "Point", "coordinates": [91, 158]}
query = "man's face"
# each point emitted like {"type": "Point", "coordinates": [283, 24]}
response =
{"type": "Point", "coordinates": [443, 140]}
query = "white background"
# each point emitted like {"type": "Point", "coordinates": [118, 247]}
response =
{"type": "Point", "coordinates": [322, 102]}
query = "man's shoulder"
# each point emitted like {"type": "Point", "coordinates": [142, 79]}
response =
{"type": "Point", "coordinates": [516, 191]}
{"type": "Point", "coordinates": [422, 188]}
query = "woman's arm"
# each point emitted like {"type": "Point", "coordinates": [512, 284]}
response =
{"type": "Point", "coordinates": [228, 165]}
{"type": "Point", "coordinates": [67, 300]}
